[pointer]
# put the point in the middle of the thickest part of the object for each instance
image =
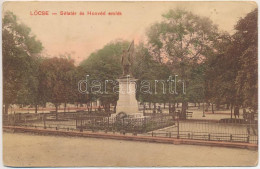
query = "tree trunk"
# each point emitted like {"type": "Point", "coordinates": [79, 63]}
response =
{"type": "Point", "coordinates": [115, 107]}
{"type": "Point", "coordinates": [212, 108]}
{"type": "Point", "coordinates": [199, 105]}
{"type": "Point", "coordinates": [217, 105]}
{"type": "Point", "coordinates": [170, 110]}
{"type": "Point", "coordinates": [195, 104]}
{"type": "Point", "coordinates": [65, 105]}
{"type": "Point", "coordinates": [203, 109]}
{"type": "Point", "coordinates": [236, 111]}
{"type": "Point", "coordinates": [36, 108]}
{"type": "Point", "coordinates": [207, 106]}
{"type": "Point", "coordinates": [228, 105]}
{"type": "Point", "coordinates": [164, 105]}
{"type": "Point", "coordinates": [56, 110]}
{"type": "Point", "coordinates": [6, 108]}
{"type": "Point", "coordinates": [231, 110]}
{"type": "Point", "coordinates": [184, 109]}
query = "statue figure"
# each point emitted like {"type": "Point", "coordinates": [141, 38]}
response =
{"type": "Point", "coordinates": [127, 59]}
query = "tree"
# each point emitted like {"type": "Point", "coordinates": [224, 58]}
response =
{"type": "Point", "coordinates": [56, 74]}
{"type": "Point", "coordinates": [182, 39]}
{"type": "Point", "coordinates": [147, 70]}
{"type": "Point", "coordinates": [231, 73]}
{"type": "Point", "coordinates": [246, 42]}
{"type": "Point", "coordinates": [220, 73]}
{"type": "Point", "coordinates": [20, 48]}
{"type": "Point", "coordinates": [102, 65]}
{"type": "Point", "coordinates": [196, 89]}
{"type": "Point", "coordinates": [31, 93]}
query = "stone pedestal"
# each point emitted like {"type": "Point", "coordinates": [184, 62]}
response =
{"type": "Point", "coordinates": [127, 102]}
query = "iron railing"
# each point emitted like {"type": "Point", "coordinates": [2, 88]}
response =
{"type": "Point", "coordinates": [159, 125]}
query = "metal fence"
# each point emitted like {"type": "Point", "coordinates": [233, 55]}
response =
{"type": "Point", "coordinates": [135, 125]}
{"type": "Point", "coordinates": [212, 131]}
{"type": "Point", "coordinates": [159, 125]}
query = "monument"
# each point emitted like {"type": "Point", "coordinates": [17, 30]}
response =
{"type": "Point", "coordinates": [127, 102]}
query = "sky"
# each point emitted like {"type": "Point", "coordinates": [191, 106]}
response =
{"type": "Point", "coordinates": [82, 35]}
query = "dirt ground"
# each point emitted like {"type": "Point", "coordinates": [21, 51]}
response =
{"type": "Point", "coordinates": [28, 150]}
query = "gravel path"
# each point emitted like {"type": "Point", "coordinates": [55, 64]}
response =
{"type": "Point", "coordinates": [28, 150]}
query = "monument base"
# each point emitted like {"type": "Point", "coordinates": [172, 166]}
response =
{"type": "Point", "coordinates": [127, 102]}
{"type": "Point", "coordinates": [134, 115]}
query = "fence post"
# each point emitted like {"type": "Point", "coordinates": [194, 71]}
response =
{"type": "Point", "coordinates": [209, 137]}
{"type": "Point", "coordinates": [14, 118]}
{"type": "Point", "coordinates": [178, 128]}
{"type": "Point", "coordinates": [93, 125]}
{"type": "Point", "coordinates": [123, 123]}
{"type": "Point", "coordinates": [231, 137]}
{"type": "Point", "coordinates": [108, 123]}
{"type": "Point", "coordinates": [248, 138]}
{"type": "Point", "coordinates": [145, 128]}
{"type": "Point", "coordinates": [81, 127]}
{"type": "Point", "coordinates": [188, 135]}
{"type": "Point", "coordinates": [44, 121]}
{"type": "Point", "coordinates": [76, 121]}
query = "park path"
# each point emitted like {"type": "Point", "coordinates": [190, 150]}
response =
{"type": "Point", "coordinates": [27, 150]}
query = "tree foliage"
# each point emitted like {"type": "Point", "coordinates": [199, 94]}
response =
{"type": "Point", "coordinates": [246, 42]}
{"type": "Point", "coordinates": [182, 40]}
{"type": "Point", "coordinates": [57, 75]}
{"type": "Point", "coordinates": [216, 67]}
{"type": "Point", "coordinates": [20, 49]}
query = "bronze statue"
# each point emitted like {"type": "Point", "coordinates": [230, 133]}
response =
{"type": "Point", "coordinates": [126, 59]}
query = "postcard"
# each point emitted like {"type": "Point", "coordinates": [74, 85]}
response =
{"type": "Point", "coordinates": [130, 83]}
